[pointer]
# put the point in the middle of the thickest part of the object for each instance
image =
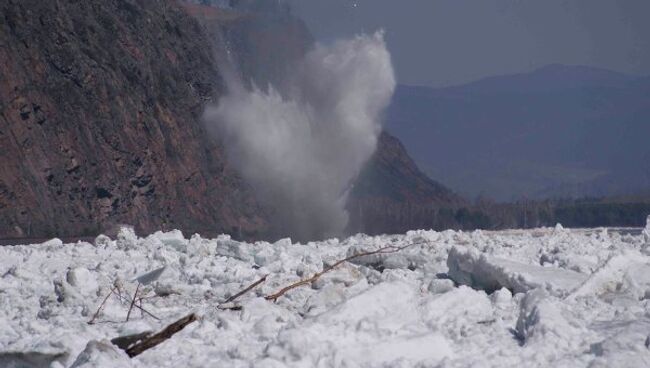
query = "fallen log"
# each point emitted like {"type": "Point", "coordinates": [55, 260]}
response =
{"type": "Point", "coordinates": [151, 341]}
{"type": "Point", "coordinates": [124, 342]}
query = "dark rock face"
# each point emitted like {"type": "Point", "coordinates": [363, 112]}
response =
{"type": "Point", "coordinates": [100, 105]}
{"type": "Point", "coordinates": [100, 109]}
{"type": "Point", "coordinates": [392, 195]}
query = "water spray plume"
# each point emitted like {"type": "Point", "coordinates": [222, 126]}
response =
{"type": "Point", "coordinates": [302, 150]}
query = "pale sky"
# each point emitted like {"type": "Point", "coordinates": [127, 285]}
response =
{"type": "Point", "coordinates": [447, 42]}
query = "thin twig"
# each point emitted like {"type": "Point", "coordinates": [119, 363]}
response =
{"type": "Point", "coordinates": [99, 309]}
{"type": "Point", "coordinates": [118, 289]}
{"type": "Point", "coordinates": [137, 289]}
{"type": "Point", "coordinates": [385, 250]}
{"type": "Point", "coordinates": [123, 298]}
{"type": "Point", "coordinates": [246, 290]}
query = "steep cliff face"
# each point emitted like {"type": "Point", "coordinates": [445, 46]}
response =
{"type": "Point", "coordinates": [100, 105]}
{"type": "Point", "coordinates": [261, 43]}
{"type": "Point", "coordinates": [100, 121]}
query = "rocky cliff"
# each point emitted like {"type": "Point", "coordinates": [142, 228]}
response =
{"type": "Point", "coordinates": [100, 105]}
{"type": "Point", "coordinates": [100, 122]}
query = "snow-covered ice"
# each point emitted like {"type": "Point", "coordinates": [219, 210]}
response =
{"type": "Point", "coordinates": [540, 298]}
{"type": "Point", "coordinates": [469, 267]}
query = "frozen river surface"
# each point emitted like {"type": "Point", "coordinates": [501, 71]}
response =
{"type": "Point", "coordinates": [537, 298]}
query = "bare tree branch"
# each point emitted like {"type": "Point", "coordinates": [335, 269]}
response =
{"type": "Point", "coordinates": [244, 291]}
{"type": "Point", "coordinates": [128, 314]}
{"type": "Point", "coordinates": [99, 309]}
{"type": "Point", "coordinates": [123, 298]}
{"type": "Point", "coordinates": [385, 250]}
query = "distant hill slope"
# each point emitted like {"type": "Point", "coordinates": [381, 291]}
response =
{"type": "Point", "coordinates": [560, 131]}
{"type": "Point", "coordinates": [391, 173]}
{"type": "Point", "coordinates": [392, 195]}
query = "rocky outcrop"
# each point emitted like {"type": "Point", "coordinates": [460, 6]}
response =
{"type": "Point", "coordinates": [100, 105]}
{"type": "Point", "coordinates": [392, 195]}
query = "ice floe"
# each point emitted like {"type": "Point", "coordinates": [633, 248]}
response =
{"type": "Point", "coordinates": [542, 297]}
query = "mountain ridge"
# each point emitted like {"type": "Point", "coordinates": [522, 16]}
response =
{"type": "Point", "coordinates": [529, 133]}
{"type": "Point", "coordinates": [585, 72]}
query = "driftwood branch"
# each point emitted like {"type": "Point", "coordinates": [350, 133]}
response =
{"type": "Point", "coordinates": [385, 250]}
{"type": "Point", "coordinates": [124, 342]}
{"type": "Point", "coordinates": [246, 290]}
{"type": "Point", "coordinates": [135, 296]}
{"type": "Point", "coordinates": [135, 345]}
{"type": "Point", "coordinates": [151, 341]}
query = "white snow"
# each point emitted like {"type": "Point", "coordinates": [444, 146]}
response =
{"type": "Point", "coordinates": [101, 354]}
{"type": "Point", "coordinates": [471, 268]}
{"type": "Point", "coordinates": [539, 298]}
{"type": "Point", "coordinates": [82, 280]}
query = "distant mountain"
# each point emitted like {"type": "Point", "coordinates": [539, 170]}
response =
{"type": "Point", "coordinates": [560, 131]}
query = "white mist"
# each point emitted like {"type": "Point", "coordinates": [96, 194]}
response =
{"type": "Point", "coordinates": [302, 152]}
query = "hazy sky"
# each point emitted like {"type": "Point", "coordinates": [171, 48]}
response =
{"type": "Point", "coordinates": [446, 42]}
